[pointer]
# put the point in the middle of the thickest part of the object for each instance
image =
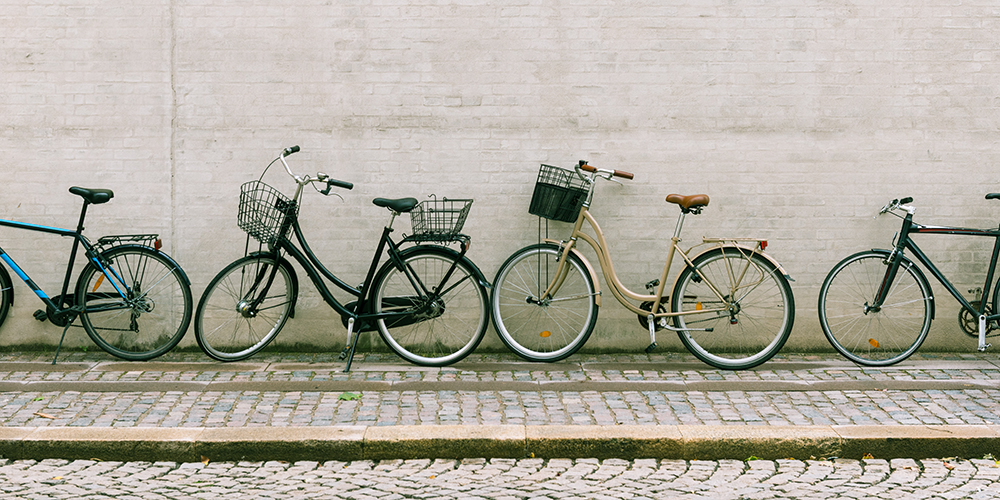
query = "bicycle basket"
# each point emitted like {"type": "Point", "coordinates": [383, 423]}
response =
{"type": "Point", "coordinates": [262, 210]}
{"type": "Point", "coordinates": [439, 220]}
{"type": "Point", "coordinates": [559, 194]}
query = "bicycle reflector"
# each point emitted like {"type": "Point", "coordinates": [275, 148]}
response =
{"type": "Point", "coordinates": [763, 245]}
{"type": "Point", "coordinates": [158, 244]}
{"type": "Point", "coordinates": [545, 334]}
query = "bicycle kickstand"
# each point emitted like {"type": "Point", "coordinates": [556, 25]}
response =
{"type": "Point", "coordinates": [58, 347]}
{"type": "Point", "coordinates": [348, 351]}
{"type": "Point", "coordinates": [652, 333]}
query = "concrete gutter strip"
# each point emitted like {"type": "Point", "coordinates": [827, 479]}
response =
{"type": "Point", "coordinates": [347, 443]}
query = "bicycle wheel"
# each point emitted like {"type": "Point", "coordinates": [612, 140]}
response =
{"type": "Point", "coordinates": [6, 294]}
{"type": "Point", "coordinates": [227, 325]}
{"type": "Point", "coordinates": [874, 336]}
{"type": "Point", "coordinates": [548, 329]}
{"type": "Point", "coordinates": [448, 319]}
{"type": "Point", "coordinates": [141, 308]}
{"type": "Point", "coordinates": [749, 324]}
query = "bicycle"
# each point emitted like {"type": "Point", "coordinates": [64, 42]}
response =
{"type": "Point", "coordinates": [133, 300]}
{"type": "Point", "coordinates": [731, 304]}
{"type": "Point", "coordinates": [876, 306]}
{"type": "Point", "coordinates": [428, 302]}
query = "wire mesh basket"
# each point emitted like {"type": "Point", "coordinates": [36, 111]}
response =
{"type": "Point", "coordinates": [262, 211]}
{"type": "Point", "coordinates": [439, 220]}
{"type": "Point", "coordinates": [558, 195]}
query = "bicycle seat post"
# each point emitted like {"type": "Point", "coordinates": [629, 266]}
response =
{"type": "Point", "coordinates": [72, 254]}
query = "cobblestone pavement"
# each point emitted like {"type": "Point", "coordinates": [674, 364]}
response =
{"type": "Point", "coordinates": [505, 479]}
{"type": "Point", "coordinates": [296, 390]}
{"type": "Point", "coordinates": [185, 390]}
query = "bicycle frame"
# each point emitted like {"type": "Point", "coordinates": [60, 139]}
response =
{"type": "Point", "coordinates": [62, 315]}
{"type": "Point", "coordinates": [621, 292]}
{"type": "Point", "coordinates": [904, 242]}
{"type": "Point", "coordinates": [361, 316]}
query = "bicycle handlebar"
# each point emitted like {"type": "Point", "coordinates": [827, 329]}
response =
{"type": "Point", "coordinates": [896, 204]}
{"type": "Point", "coordinates": [610, 173]}
{"type": "Point", "coordinates": [320, 177]}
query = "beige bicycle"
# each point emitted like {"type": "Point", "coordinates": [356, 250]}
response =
{"type": "Point", "coordinates": [731, 304]}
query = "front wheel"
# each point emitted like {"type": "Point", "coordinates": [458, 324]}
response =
{"type": "Point", "coordinates": [543, 328]}
{"type": "Point", "coordinates": [244, 307]}
{"type": "Point", "coordinates": [864, 333]}
{"type": "Point", "coordinates": [6, 294]}
{"type": "Point", "coordinates": [743, 299]}
{"type": "Point", "coordinates": [442, 307]}
{"type": "Point", "coordinates": [139, 307]}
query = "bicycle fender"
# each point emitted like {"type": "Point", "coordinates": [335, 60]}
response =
{"type": "Point", "coordinates": [919, 272]}
{"type": "Point", "coordinates": [742, 249]}
{"type": "Point", "coordinates": [458, 256]}
{"type": "Point", "coordinates": [586, 263]}
{"type": "Point", "coordinates": [169, 259]}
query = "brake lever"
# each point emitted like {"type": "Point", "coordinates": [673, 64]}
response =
{"type": "Point", "coordinates": [326, 192]}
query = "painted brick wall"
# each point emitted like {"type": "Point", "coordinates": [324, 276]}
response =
{"type": "Point", "coordinates": [799, 118]}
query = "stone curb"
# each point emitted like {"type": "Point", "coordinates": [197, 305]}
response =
{"type": "Point", "coordinates": [348, 443]}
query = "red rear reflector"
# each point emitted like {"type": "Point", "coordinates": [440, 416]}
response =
{"type": "Point", "coordinates": [157, 244]}
{"type": "Point", "coordinates": [763, 245]}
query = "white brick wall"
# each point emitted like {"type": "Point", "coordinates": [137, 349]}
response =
{"type": "Point", "coordinates": [799, 119]}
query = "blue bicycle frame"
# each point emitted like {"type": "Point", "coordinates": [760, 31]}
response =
{"type": "Point", "coordinates": [62, 309]}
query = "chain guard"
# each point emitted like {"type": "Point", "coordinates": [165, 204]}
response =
{"type": "Point", "coordinates": [648, 306]}
{"type": "Point", "coordinates": [970, 323]}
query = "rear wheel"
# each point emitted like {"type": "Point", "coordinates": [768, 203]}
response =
{"type": "Point", "coordinates": [752, 320]}
{"type": "Point", "coordinates": [141, 308]}
{"type": "Point", "coordinates": [441, 321]}
{"type": "Point", "coordinates": [244, 307]}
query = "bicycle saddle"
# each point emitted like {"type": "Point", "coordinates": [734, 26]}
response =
{"type": "Point", "coordinates": [689, 203]}
{"type": "Point", "coordinates": [93, 196]}
{"type": "Point", "coordinates": [401, 205]}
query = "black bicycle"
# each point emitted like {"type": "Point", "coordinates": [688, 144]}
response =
{"type": "Point", "coordinates": [133, 300]}
{"type": "Point", "coordinates": [428, 302]}
{"type": "Point", "coordinates": [876, 306]}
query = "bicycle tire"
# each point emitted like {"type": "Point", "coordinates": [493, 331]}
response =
{"type": "Point", "coordinates": [760, 308]}
{"type": "Point", "coordinates": [548, 330]}
{"type": "Point", "coordinates": [154, 315]}
{"type": "Point", "coordinates": [226, 330]}
{"type": "Point", "coordinates": [869, 337]}
{"type": "Point", "coordinates": [6, 294]}
{"type": "Point", "coordinates": [449, 327]}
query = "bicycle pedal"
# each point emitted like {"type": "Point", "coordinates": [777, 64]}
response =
{"type": "Point", "coordinates": [40, 315]}
{"type": "Point", "coordinates": [651, 348]}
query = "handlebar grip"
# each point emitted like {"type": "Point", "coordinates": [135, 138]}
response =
{"type": "Point", "coordinates": [617, 173]}
{"type": "Point", "coordinates": [906, 200]}
{"type": "Point", "coordinates": [341, 184]}
{"type": "Point", "coordinates": [291, 150]}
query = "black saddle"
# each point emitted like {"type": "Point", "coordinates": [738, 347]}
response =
{"type": "Point", "coordinates": [401, 205]}
{"type": "Point", "coordinates": [93, 196]}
